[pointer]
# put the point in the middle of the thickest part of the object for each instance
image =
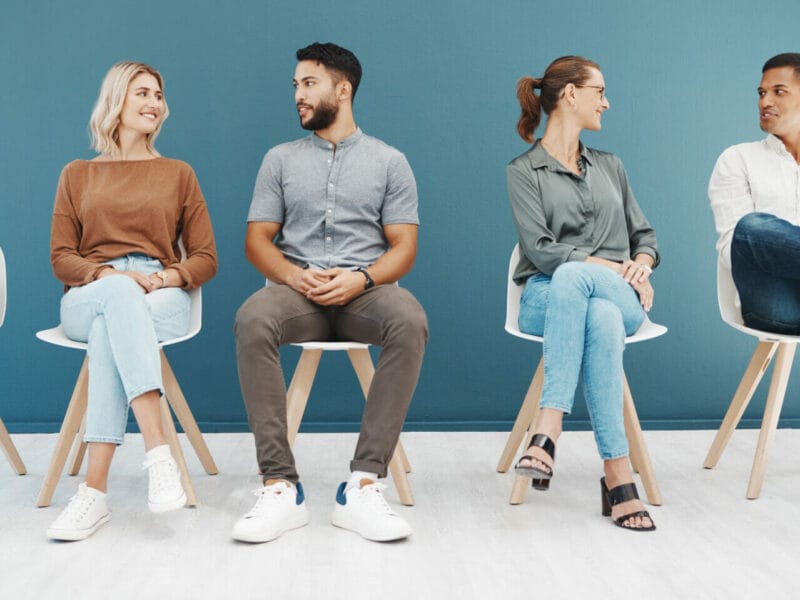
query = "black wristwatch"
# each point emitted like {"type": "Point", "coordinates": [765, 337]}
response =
{"type": "Point", "coordinates": [368, 283]}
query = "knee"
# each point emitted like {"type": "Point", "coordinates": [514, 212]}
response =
{"type": "Point", "coordinates": [751, 223]}
{"type": "Point", "coordinates": [259, 321]}
{"type": "Point", "coordinates": [118, 287]}
{"type": "Point", "coordinates": [252, 324]}
{"type": "Point", "coordinates": [572, 275]}
{"type": "Point", "coordinates": [409, 324]}
{"type": "Point", "coordinates": [569, 270]}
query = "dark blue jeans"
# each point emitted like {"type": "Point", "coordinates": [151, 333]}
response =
{"type": "Point", "coordinates": [765, 262]}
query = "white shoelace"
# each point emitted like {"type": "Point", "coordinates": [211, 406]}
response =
{"type": "Point", "coordinates": [163, 474]}
{"type": "Point", "coordinates": [266, 497]}
{"type": "Point", "coordinates": [373, 497]}
{"type": "Point", "coordinates": [79, 506]}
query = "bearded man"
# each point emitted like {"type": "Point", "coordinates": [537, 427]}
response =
{"type": "Point", "coordinates": [332, 226]}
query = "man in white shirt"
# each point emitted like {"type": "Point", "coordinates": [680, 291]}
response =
{"type": "Point", "coordinates": [755, 195]}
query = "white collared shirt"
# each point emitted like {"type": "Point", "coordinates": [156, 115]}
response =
{"type": "Point", "coordinates": [753, 177]}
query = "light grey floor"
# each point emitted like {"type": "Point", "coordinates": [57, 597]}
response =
{"type": "Point", "coordinates": [468, 541]}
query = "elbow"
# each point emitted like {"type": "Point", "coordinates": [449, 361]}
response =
{"type": "Point", "coordinates": [249, 249]}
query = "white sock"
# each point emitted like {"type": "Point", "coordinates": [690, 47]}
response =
{"type": "Point", "coordinates": [356, 477]}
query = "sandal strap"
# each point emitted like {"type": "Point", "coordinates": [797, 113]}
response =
{"type": "Point", "coordinates": [623, 493]}
{"type": "Point", "coordinates": [545, 443]}
{"type": "Point", "coordinates": [639, 513]}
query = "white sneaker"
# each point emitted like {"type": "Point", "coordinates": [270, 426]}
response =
{"type": "Point", "coordinates": [165, 491]}
{"type": "Point", "coordinates": [279, 508]}
{"type": "Point", "coordinates": [365, 511]}
{"type": "Point", "coordinates": [84, 515]}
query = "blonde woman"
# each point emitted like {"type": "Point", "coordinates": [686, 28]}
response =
{"type": "Point", "coordinates": [587, 255]}
{"type": "Point", "coordinates": [114, 244]}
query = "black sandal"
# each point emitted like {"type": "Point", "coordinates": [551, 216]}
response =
{"type": "Point", "coordinates": [540, 478]}
{"type": "Point", "coordinates": [623, 493]}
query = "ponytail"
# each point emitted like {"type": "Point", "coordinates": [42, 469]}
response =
{"type": "Point", "coordinates": [531, 107]}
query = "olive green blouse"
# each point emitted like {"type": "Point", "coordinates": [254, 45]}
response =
{"type": "Point", "coordinates": [561, 216]}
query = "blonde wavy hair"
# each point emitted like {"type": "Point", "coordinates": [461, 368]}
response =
{"type": "Point", "coordinates": [104, 122]}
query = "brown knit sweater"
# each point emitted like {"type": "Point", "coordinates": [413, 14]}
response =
{"type": "Point", "coordinates": [107, 209]}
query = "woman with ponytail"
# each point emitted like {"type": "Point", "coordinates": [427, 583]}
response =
{"type": "Point", "coordinates": [587, 253]}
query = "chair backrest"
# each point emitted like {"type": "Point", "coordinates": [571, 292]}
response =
{"type": "Point", "coordinates": [513, 294]}
{"type": "Point", "coordinates": [3, 294]}
{"type": "Point", "coordinates": [196, 315]}
{"type": "Point", "coordinates": [727, 296]}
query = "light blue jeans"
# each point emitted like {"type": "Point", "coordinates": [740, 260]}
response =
{"type": "Point", "coordinates": [584, 311]}
{"type": "Point", "coordinates": [123, 326]}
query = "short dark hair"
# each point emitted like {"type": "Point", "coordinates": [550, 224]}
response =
{"type": "Point", "coordinates": [787, 59]}
{"type": "Point", "coordinates": [334, 58]}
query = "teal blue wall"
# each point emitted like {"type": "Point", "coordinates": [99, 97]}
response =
{"type": "Point", "coordinates": [439, 84]}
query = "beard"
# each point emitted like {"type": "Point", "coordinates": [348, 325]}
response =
{"type": "Point", "coordinates": [323, 117]}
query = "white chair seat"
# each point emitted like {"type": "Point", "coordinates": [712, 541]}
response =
{"type": "Point", "coordinates": [526, 418]}
{"type": "Point", "coordinates": [333, 346]}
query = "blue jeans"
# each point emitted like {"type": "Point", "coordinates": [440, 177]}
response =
{"type": "Point", "coordinates": [122, 326]}
{"type": "Point", "coordinates": [584, 311]}
{"type": "Point", "coordinates": [765, 263]}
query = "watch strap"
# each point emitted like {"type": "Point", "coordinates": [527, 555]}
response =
{"type": "Point", "coordinates": [369, 282]}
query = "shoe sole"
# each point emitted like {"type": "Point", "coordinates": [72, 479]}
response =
{"type": "Point", "coordinates": [342, 520]}
{"type": "Point", "coordinates": [299, 521]}
{"type": "Point", "coordinates": [167, 506]}
{"type": "Point", "coordinates": [72, 535]}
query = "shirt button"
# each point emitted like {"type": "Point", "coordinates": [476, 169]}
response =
{"type": "Point", "coordinates": [330, 185]}
{"type": "Point", "coordinates": [330, 211]}
{"type": "Point", "coordinates": [328, 239]}
{"type": "Point", "coordinates": [329, 161]}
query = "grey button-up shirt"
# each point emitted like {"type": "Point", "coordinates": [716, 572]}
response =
{"type": "Point", "coordinates": [334, 201]}
{"type": "Point", "coordinates": [561, 216]}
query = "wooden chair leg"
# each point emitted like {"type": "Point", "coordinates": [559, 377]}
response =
{"type": "Point", "coordinates": [526, 416]}
{"type": "Point", "coordinates": [634, 457]}
{"type": "Point", "coordinates": [69, 428]}
{"type": "Point", "coordinates": [403, 457]}
{"type": "Point", "coordinates": [179, 405]}
{"type": "Point", "coordinates": [752, 377]}
{"type": "Point", "coordinates": [299, 390]}
{"type": "Point", "coordinates": [633, 430]}
{"type": "Point", "coordinates": [519, 490]}
{"type": "Point", "coordinates": [78, 449]}
{"type": "Point", "coordinates": [177, 452]}
{"type": "Point", "coordinates": [772, 411]}
{"type": "Point", "coordinates": [10, 450]}
{"type": "Point", "coordinates": [398, 467]}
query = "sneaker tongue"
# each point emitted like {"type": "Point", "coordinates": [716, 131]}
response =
{"type": "Point", "coordinates": [365, 482]}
